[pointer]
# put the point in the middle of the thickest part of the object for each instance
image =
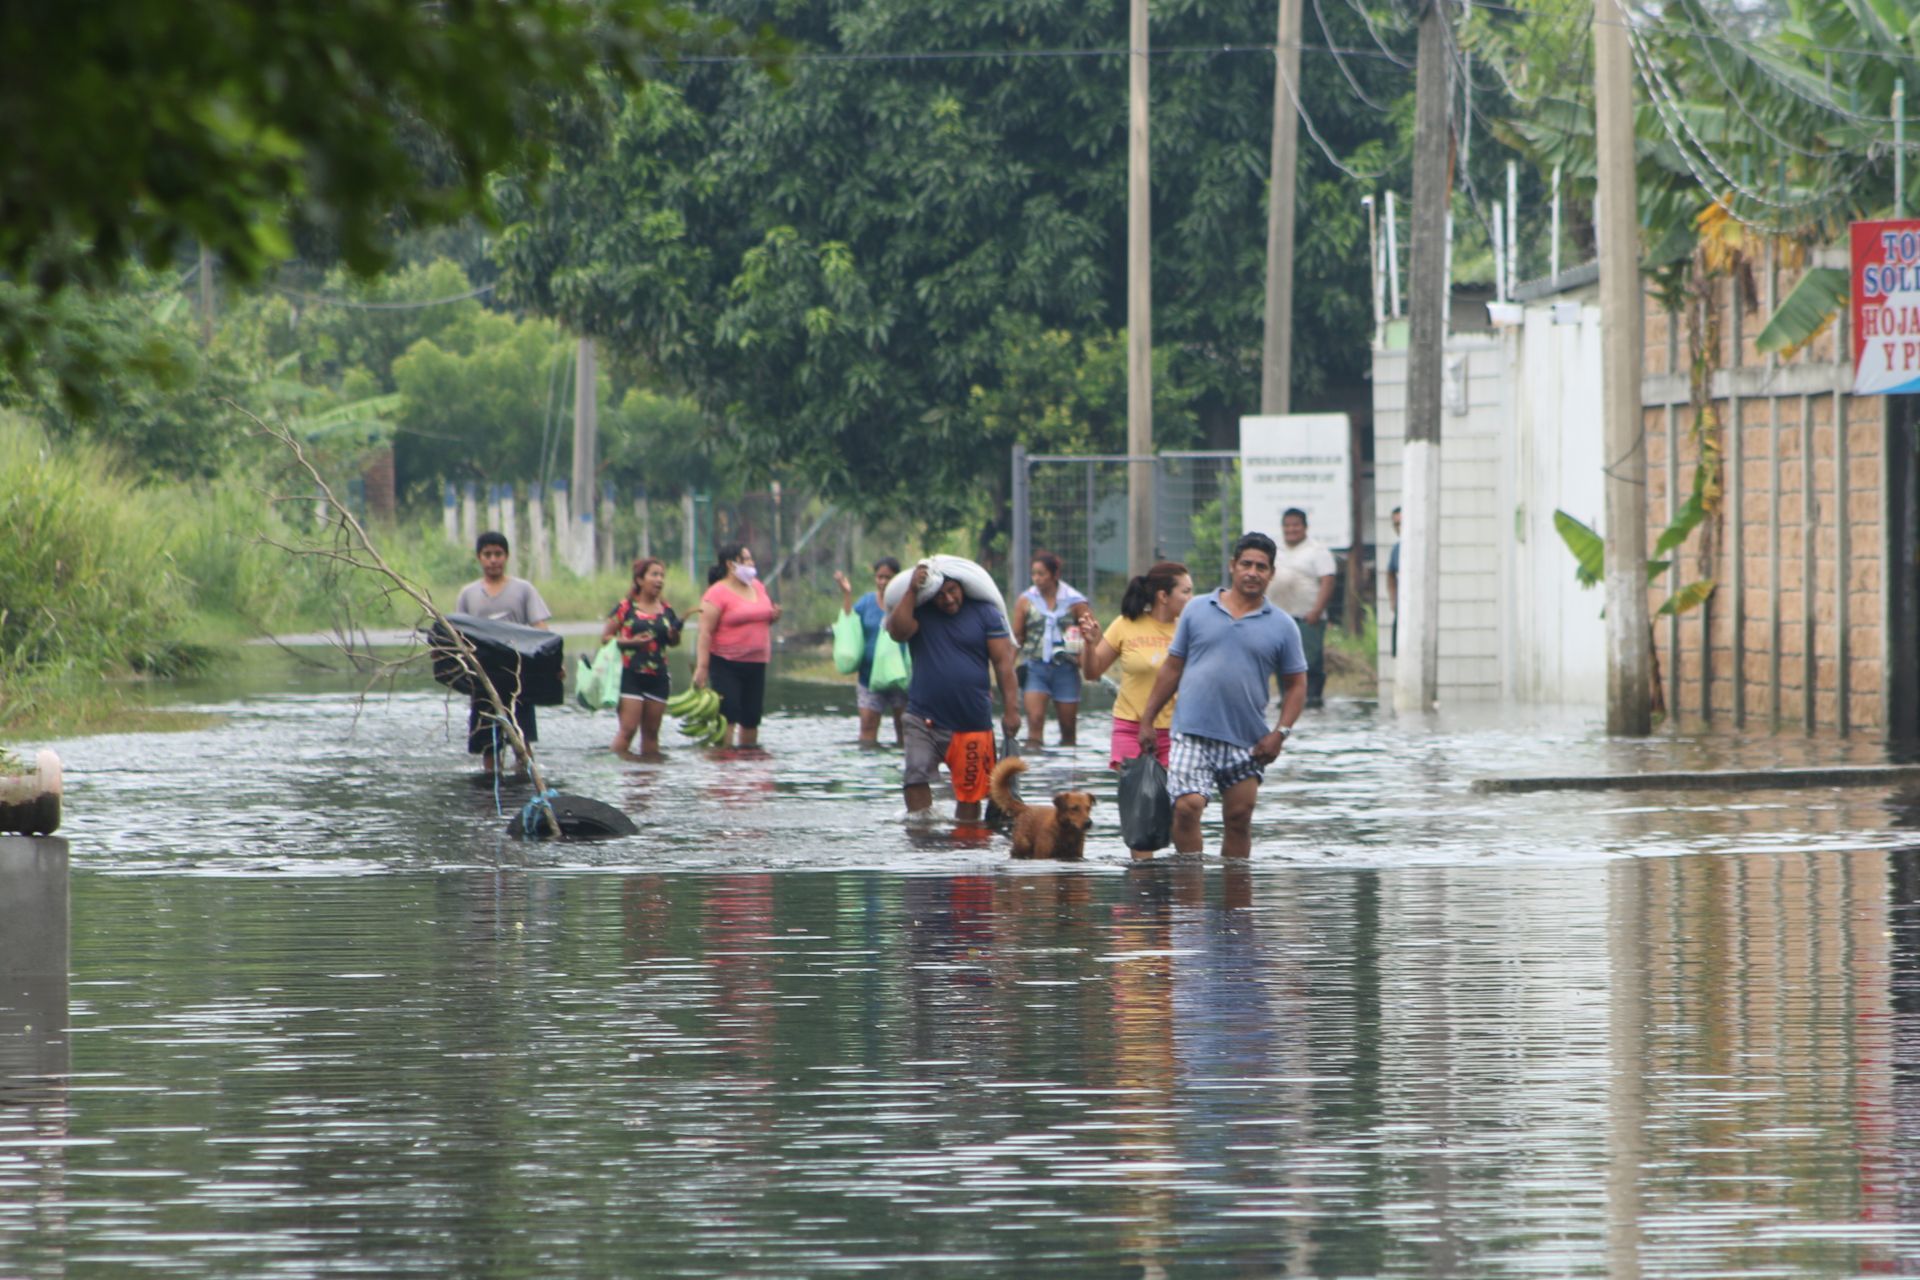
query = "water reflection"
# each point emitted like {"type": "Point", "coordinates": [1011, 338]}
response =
{"type": "Point", "coordinates": [1695, 1065]}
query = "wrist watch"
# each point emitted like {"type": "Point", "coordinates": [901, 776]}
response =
{"type": "Point", "coordinates": [1285, 731]}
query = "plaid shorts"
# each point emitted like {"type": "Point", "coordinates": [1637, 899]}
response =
{"type": "Point", "coordinates": [1199, 766]}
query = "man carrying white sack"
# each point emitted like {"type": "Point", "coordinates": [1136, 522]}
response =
{"type": "Point", "coordinates": [954, 640]}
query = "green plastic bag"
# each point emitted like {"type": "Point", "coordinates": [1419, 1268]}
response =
{"type": "Point", "coordinates": [597, 686]}
{"type": "Point", "coordinates": [892, 666]}
{"type": "Point", "coordinates": [849, 643]}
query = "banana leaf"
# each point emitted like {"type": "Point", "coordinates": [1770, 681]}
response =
{"type": "Point", "coordinates": [1805, 311]}
{"type": "Point", "coordinates": [1588, 548]}
{"type": "Point", "coordinates": [1691, 596]}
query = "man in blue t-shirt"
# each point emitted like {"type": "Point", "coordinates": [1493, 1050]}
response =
{"type": "Point", "coordinates": [1225, 647]}
{"type": "Point", "coordinates": [954, 641]}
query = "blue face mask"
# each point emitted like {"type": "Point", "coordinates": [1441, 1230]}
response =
{"type": "Point", "coordinates": [745, 572]}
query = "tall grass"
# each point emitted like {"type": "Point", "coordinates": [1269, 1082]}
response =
{"type": "Point", "coordinates": [86, 582]}
{"type": "Point", "coordinates": [105, 579]}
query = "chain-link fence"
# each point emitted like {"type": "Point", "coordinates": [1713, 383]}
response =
{"type": "Point", "coordinates": [1076, 507]}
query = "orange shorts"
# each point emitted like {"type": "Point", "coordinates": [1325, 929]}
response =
{"type": "Point", "coordinates": [968, 757]}
{"type": "Point", "coordinates": [970, 763]}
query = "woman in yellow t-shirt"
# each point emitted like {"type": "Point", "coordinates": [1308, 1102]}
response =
{"type": "Point", "coordinates": [1138, 641]}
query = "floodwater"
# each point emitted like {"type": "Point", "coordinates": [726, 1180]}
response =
{"type": "Point", "coordinates": [290, 1004]}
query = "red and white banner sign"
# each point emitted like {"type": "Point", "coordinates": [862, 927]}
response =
{"type": "Point", "coordinates": [1884, 294]}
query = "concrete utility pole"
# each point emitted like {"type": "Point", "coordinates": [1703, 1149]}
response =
{"type": "Point", "coordinates": [1276, 356]}
{"type": "Point", "coordinates": [1140, 539]}
{"type": "Point", "coordinates": [579, 547]}
{"type": "Point", "coordinates": [1629, 644]}
{"type": "Point", "coordinates": [1416, 673]}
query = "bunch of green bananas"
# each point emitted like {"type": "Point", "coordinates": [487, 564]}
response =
{"type": "Point", "coordinates": [699, 713]}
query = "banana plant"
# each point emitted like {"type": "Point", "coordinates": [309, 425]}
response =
{"type": "Point", "coordinates": [1590, 551]}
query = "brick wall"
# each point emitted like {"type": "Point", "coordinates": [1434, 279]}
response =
{"type": "Point", "coordinates": [1792, 635]}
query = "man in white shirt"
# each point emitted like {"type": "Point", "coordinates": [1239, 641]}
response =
{"type": "Point", "coordinates": [1303, 575]}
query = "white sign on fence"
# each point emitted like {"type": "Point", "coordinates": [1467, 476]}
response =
{"type": "Point", "coordinates": [1298, 460]}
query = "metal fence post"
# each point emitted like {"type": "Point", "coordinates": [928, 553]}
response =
{"type": "Point", "coordinates": [1022, 516]}
{"type": "Point", "coordinates": [1159, 513]}
{"type": "Point", "coordinates": [1093, 560]}
{"type": "Point", "coordinates": [1228, 534]}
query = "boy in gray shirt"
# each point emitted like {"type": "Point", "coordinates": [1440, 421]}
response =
{"type": "Point", "coordinates": [499, 597]}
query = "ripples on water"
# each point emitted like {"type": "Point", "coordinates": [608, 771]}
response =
{"type": "Point", "coordinates": [311, 1014]}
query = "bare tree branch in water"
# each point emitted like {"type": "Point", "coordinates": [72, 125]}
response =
{"type": "Point", "coordinates": [354, 548]}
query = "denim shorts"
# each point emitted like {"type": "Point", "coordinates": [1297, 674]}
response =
{"type": "Point", "coordinates": [868, 700]}
{"type": "Point", "coordinates": [1059, 680]}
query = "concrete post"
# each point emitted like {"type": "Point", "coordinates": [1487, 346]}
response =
{"type": "Point", "coordinates": [1417, 671]}
{"type": "Point", "coordinates": [1139, 301]}
{"type": "Point", "coordinates": [1276, 357]}
{"type": "Point", "coordinates": [1629, 658]}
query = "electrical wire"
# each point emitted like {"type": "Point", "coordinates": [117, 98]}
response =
{"type": "Point", "coordinates": [1688, 25]}
{"type": "Point", "coordinates": [1707, 56]}
{"type": "Point", "coordinates": [321, 300]}
{"type": "Point", "coordinates": [1669, 110]}
{"type": "Point", "coordinates": [1358, 7]}
{"type": "Point", "coordinates": [1762, 65]}
{"type": "Point", "coordinates": [1340, 62]}
{"type": "Point", "coordinates": [1579, 24]}
{"type": "Point", "coordinates": [976, 55]}
{"type": "Point", "coordinates": [1306, 121]}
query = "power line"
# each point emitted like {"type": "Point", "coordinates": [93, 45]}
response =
{"type": "Point", "coordinates": [320, 300]}
{"type": "Point", "coordinates": [1358, 7]}
{"type": "Point", "coordinates": [1667, 20]}
{"type": "Point", "coordinates": [1669, 110]}
{"type": "Point", "coordinates": [979, 55]}
{"type": "Point", "coordinates": [1340, 62]}
{"type": "Point", "coordinates": [1299, 109]}
{"type": "Point", "coordinates": [1707, 55]}
{"type": "Point", "coordinates": [1757, 57]}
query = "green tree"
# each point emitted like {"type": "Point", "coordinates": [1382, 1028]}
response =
{"type": "Point", "coordinates": [479, 399]}
{"type": "Point", "coordinates": [374, 323]}
{"type": "Point", "coordinates": [664, 443]}
{"type": "Point", "coordinates": [135, 128]}
{"type": "Point", "coordinates": [154, 396]}
{"type": "Point", "coordinates": [834, 266]}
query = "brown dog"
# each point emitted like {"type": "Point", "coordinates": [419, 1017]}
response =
{"type": "Point", "coordinates": [1038, 833]}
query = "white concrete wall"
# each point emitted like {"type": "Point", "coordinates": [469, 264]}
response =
{"type": "Point", "coordinates": [1559, 652]}
{"type": "Point", "coordinates": [1514, 624]}
{"type": "Point", "coordinates": [1473, 525]}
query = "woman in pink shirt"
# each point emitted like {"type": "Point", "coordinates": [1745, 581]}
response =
{"type": "Point", "coordinates": [736, 641]}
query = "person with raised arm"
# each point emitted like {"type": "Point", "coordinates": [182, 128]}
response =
{"type": "Point", "coordinates": [956, 643]}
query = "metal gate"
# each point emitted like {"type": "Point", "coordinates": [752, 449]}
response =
{"type": "Point", "coordinates": [1076, 507]}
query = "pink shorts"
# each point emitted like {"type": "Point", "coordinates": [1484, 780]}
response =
{"type": "Point", "coordinates": [1126, 742]}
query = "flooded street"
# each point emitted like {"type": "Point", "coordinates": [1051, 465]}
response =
{"type": "Point", "coordinates": [300, 1008]}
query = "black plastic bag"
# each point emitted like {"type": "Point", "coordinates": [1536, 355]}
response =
{"type": "Point", "coordinates": [1146, 810]}
{"type": "Point", "coordinates": [526, 658]}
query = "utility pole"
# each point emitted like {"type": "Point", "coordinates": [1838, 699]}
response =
{"type": "Point", "coordinates": [579, 550]}
{"type": "Point", "coordinates": [1416, 673]}
{"type": "Point", "coordinates": [1276, 359]}
{"type": "Point", "coordinates": [1140, 530]}
{"type": "Point", "coordinates": [1629, 643]}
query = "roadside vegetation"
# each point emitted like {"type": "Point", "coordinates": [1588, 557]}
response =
{"type": "Point", "coordinates": [110, 581]}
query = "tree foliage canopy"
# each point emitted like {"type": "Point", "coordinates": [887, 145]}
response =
{"type": "Point", "coordinates": [853, 268]}
{"type": "Point", "coordinates": [135, 128]}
